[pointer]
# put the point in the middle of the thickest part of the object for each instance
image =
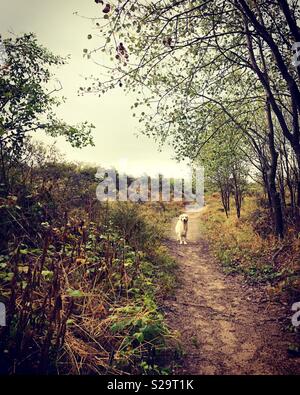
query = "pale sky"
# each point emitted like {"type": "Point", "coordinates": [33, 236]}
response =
{"type": "Point", "coordinates": [115, 138]}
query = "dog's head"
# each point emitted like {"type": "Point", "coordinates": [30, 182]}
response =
{"type": "Point", "coordinates": [184, 218]}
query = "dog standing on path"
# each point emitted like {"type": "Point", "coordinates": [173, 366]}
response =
{"type": "Point", "coordinates": [182, 228]}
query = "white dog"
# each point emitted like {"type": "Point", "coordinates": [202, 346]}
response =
{"type": "Point", "coordinates": [182, 228]}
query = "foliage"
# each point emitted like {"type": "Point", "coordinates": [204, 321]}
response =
{"type": "Point", "coordinates": [82, 295]}
{"type": "Point", "coordinates": [242, 249]}
{"type": "Point", "coordinates": [27, 102]}
{"type": "Point", "coordinates": [209, 69]}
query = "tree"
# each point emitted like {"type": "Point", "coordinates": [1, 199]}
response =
{"type": "Point", "coordinates": [26, 102]}
{"type": "Point", "coordinates": [226, 167]}
{"type": "Point", "coordinates": [207, 65]}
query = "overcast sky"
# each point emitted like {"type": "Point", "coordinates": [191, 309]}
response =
{"type": "Point", "coordinates": [64, 33]}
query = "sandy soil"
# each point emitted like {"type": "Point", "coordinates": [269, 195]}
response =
{"type": "Point", "coordinates": [225, 326]}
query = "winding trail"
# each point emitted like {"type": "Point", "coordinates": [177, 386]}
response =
{"type": "Point", "coordinates": [225, 326]}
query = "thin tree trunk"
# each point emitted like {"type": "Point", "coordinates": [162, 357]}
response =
{"type": "Point", "coordinates": [275, 196]}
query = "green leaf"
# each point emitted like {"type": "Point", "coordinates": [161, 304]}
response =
{"type": "Point", "coordinates": [47, 274]}
{"type": "Point", "coordinates": [75, 293]}
{"type": "Point", "coordinates": [139, 336]}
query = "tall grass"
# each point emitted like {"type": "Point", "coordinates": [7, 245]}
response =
{"type": "Point", "coordinates": [243, 245]}
{"type": "Point", "coordinates": [82, 285]}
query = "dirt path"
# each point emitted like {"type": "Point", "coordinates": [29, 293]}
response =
{"type": "Point", "coordinates": [226, 327]}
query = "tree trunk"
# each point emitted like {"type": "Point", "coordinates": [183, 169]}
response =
{"type": "Point", "coordinates": [275, 196]}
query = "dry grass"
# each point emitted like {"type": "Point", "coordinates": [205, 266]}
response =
{"type": "Point", "coordinates": [241, 247]}
{"type": "Point", "coordinates": [87, 300]}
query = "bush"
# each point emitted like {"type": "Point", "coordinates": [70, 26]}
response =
{"type": "Point", "coordinates": [83, 287]}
